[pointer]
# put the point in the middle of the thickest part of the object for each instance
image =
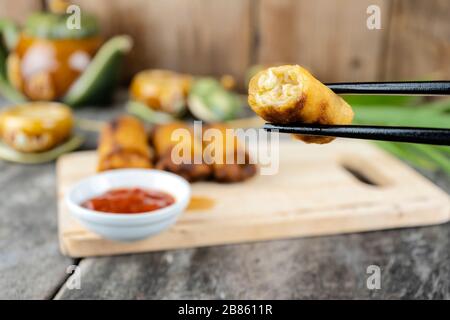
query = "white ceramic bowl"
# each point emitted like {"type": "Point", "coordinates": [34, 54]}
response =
{"type": "Point", "coordinates": [128, 227]}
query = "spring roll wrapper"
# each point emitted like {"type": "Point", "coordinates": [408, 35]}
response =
{"type": "Point", "coordinates": [123, 144]}
{"type": "Point", "coordinates": [231, 172]}
{"type": "Point", "coordinates": [164, 145]}
{"type": "Point", "coordinates": [313, 103]}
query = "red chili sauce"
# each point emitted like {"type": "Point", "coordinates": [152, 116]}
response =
{"type": "Point", "coordinates": [129, 200]}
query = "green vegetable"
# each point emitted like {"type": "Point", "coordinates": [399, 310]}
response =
{"type": "Point", "coordinates": [441, 160]}
{"type": "Point", "coordinates": [6, 90]}
{"type": "Point", "coordinates": [55, 26]}
{"type": "Point", "coordinates": [147, 114]}
{"type": "Point", "coordinates": [9, 154]}
{"type": "Point", "coordinates": [407, 152]}
{"type": "Point", "coordinates": [210, 102]}
{"type": "Point", "coordinates": [9, 33]}
{"type": "Point", "coordinates": [100, 77]}
{"type": "Point", "coordinates": [407, 111]}
{"type": "Point", "coordinates": [369, 100]}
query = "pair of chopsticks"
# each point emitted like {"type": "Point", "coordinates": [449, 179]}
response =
{"type": "Point", "coordinates": [435, 136]}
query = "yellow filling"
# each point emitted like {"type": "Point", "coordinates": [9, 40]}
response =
{"type": "Point", "coordinates": [279, 86]}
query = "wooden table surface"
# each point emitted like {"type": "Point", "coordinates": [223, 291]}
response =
{"type": "Point", "coordinates": [414, 262]}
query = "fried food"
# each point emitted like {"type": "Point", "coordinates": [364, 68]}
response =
{"type": "Point", "coordinates": [44, 69]}
{"type": "Point", "coordinates": [180, 154]}
{"type": "Point", "coordinates": [228, 147]}
{"type": "Point", "coordinates": [123, 144]}
{"type": "Point", "coordinates": [161, 90]}
{"type": "Point", "coordinates": [290, 94]}
{"type": "Point", "coordinates": [36, 127]}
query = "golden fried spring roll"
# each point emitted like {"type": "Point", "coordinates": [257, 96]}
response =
{"type": "Point", "coordinates": [123, 144]}
{"type": "Point", "coordinates": [229, 148]}
{"type": "Point", "coordinates": [186, 159]}
{"type": "Point", "coordinates": [290, 94]}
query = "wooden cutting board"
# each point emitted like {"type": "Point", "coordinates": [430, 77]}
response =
{"type": "Point", "coordinates": [314, 193]}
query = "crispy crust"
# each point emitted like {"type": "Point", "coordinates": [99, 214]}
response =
{"type": "Point", "coordinates": [232, 172]}
{"type": "Point", "coordinates": [164, 145]}
{"type": "Point", "coordinates": [191, 172]}
{"type": "Point", "coordinates": [27, 133]}
{"type": "Point", "coordinates": [315, 103]}
{"type": "Point", "coordinates": [123, 144]}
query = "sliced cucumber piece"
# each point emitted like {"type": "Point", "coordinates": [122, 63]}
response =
{"type": "Point", "coordinates": [209, 101]}
{"type": "Point", "coordinates": [50, 25]}
{"type": "Point", "coordinates": [98, 80]}
{"type": "Point", "coordinates": [6, 89]}
{"type": "Point", "coordinates": [147, 114]}
{"type": "Point", "coordinates": [9, 154]}
{"type": "Point", "coordinates": [9, 33]}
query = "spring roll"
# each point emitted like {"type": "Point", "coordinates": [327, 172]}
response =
{"type": "Point", "coordinates": [123, 144]}
{"type": "Point", "coordinates": [228, 147]}
{"type": "Point", "coordinates": [181, 155]}
{"type": "Point", "coordinates": [290, 94]}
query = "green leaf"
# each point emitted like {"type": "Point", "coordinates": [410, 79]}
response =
{"type": "Point", "coordinates": [96, 83]}
{"type": "Point", "coordinates": [9, 33]}
{"type": "Point", "coordinates": [147, 114]}
{"type": "Point", "coordinates": [435, 155]}
{"type": "Point", "coordinates": [209, 101]}
{"type": "Point", "coordinates": [431, 114]}
{"type": "Point", "coordinates": [9, 154]}
{"type": "Point", "coordinates": [6, 89]}
{"type": "Point", "coordinates": [403, 151]}
{"type": "Point", "coordinates": [401, 116]}
{"type": "Point", "coordinates": [380, 100]}
{"type": "Point", "coordinates": [50, 25]}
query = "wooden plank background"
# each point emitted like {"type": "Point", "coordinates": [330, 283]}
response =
{"type": "Point", "coordinates": [329, 37]}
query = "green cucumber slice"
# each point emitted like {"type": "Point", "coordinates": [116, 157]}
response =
{"type": "Point", "coordinates": [210, 102]}
{"type": "Point", "coordinates": [9, 33]}
{"type": "Point", "coordinates": [9, 154]}
{"type": "Point", "coordinates": [145, 113]}
{"type": "Point", "coordinates": [50, 25]}
{"type": "Point", "coordinates": [98, 80]}
{"type": "Point", "coordinates": [6, 89]}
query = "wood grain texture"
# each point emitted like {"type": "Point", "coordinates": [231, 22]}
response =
{"type": "Point", "coordinates": [413, 262]}
{"type": "Point", "coordinates": [311, 194]}
{"type": "Point", "coordinates": [18, 10]}
{"type": "Point", "coordinates": [419, 40]}
{"type": "Point", "coordinates": [31, 265]}
{"type": "Point", "coordinates": [198, 36]}
{"type": "Point", "coordinates": [330, 38]}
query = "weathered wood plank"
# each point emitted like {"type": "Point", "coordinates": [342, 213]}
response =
{"type": "Point", "coordinates": [419, 40]}
{"type": "Point", "coordinates": [31, 265]}
{"type": "Point", "coordinates": [330, 38]}
{"type": "Point", "coordinates": [288, 204]}
{"type": "Point", "coordinates": [198, 36]}
{"type": "Point", "coordinates": [18, 10]}
{"type": "Point", "coordinates": [413, 262]}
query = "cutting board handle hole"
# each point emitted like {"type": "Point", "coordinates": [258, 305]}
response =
{"type": "Point", "coordinates": [360, 176]}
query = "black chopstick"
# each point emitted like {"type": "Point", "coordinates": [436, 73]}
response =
{"type": "Point", "coordinates": [393, 88]}
{"type": "Point", "coordinates": [400, 134]}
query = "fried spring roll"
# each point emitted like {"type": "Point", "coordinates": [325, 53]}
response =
{"type": "Point", "coordinates": [290, 94]}
{"type": "Point", "coordinates": [186, 159]}
{"type": "Point", "coordinates": [123, 144]}
{"type": "Point", "coordinates": [228, 147]}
